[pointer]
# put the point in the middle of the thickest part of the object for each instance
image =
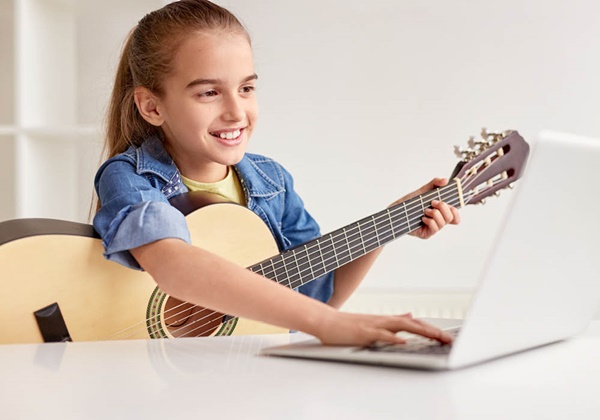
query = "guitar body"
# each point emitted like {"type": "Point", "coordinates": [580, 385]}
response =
{"type": "Point", "coordinates": [102, 300]}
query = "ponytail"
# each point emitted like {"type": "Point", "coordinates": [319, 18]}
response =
{"type": "Point", "coordinates": [124, 125]}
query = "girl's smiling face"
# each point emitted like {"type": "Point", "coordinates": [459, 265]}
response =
{"type": "Point", "coordinates": [208, 108]}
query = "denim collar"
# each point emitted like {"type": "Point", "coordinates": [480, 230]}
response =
{"type": "Point", "coordinates": [153, 158]}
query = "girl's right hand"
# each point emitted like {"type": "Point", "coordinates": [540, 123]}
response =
{"type": "Point", "coordinates": [344, 328]}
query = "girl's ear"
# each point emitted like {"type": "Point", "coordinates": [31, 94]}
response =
{"type": "Point", "coordinates": [146, 104]}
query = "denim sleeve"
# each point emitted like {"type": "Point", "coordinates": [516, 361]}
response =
{"type": "Point", "coordinates": [298, 226]}
{"type": "Point", "coordinates": [133, 213]}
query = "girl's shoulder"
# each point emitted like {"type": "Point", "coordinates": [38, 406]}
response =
{"type": "Point", "coordinates": [150, 159]}
{"type": "Point", "coordinates": [260, 159]}
{"type": "Point", "coordinates": [264, 161]}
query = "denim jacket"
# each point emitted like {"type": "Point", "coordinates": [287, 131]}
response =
{"type": "Point", "coordinates": [134, 189]}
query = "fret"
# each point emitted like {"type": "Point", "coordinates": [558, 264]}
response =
{"type": "Point", "coordinates": [383, 229]}
{"type": "Point", "coordinates": [330, 250]}
{"type": "Point", "coordinates": [348, 245]}
{"type": "Point", "coordinates": [371, 244]}
{"type": "Point", "coordinates": [257, 269]}
{"type": "Point", "coordinates": [287, 275]}
{"type": "Point", "coordinates": [391, 223]}
{"type": "Point", "coordinates": [355, 242]}
{"type": "Point", "coordinates": [319, 272]}
{"type": "Point", "coordinates": [407, 219]}
{"type": "Point", "coordinates": [321, 253]}
{"type": "Point", "coordinates": [371, 231]}
{"type": "Point", "coordinates": [297, 266]}
{"type": "Point", "coordinates": [376, 231]}
{"type": "Point", "coordinates": [343, 254]}
{"type": "Point", "coordinates": [269, 274]}
{"type": "Point", "coordinates": [309, 264]}
{"type": "Point", "coordinates": [274, 270]}
{"type": "Point", "coordinates": [362, 241]}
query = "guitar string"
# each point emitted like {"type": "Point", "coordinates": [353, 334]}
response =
{"type": "Point", "coordinates": [396, 210]}
{"type": "Point", "coordinates": [390, 212]}
{"type": "Point", "coordinates": [191, 332]}
{"type": "Point", "coordinates": [170, 316]}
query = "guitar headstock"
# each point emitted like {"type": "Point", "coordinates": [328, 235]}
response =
{"type": "Point", "coordinates": [490, 164]}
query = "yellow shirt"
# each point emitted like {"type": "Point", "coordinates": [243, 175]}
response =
{"type": "Point", "coordinates": [230, 187]}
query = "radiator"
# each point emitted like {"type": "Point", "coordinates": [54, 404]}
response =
{"type": "Point", "coordinates": [422, 304]}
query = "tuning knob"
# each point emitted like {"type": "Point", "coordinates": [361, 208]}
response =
{"type": "Point", "coordinates": [463, 154]}
{"type": "Point", "coordinates": [497, 193]}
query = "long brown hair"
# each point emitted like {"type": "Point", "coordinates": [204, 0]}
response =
{"type": "Point", "coordinates": [146, 61]}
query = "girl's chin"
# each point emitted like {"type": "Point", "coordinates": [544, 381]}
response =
{"type": "Point", "coordinates": [233, 157]}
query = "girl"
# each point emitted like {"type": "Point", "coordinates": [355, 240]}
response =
{"type": "Point", "coordinates": [181, 114]}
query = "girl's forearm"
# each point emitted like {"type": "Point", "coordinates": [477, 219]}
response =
{"type": "Point", "coordinates": [205, 279]}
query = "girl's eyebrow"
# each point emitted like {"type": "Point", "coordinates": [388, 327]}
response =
{"type": "Point", "coordinates": [217, 81]}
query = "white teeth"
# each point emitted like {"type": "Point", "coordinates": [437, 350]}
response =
{"type": "Point", "coordinates": [230, 135]}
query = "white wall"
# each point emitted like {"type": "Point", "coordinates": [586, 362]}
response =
{"type": "Point", "coordinates": [364, 100]}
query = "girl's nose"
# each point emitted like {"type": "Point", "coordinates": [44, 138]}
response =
{"type": "Point", "coordinates": [233, 109]}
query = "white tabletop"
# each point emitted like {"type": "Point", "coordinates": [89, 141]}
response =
{"type": "Point", "coordinates": [222, 378]}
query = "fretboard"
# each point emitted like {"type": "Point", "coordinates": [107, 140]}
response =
{"type": "Point", "coordinates": [304, 263]}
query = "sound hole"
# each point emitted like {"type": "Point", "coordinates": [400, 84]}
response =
{"type": "Point", "coordinates": [186, 320]}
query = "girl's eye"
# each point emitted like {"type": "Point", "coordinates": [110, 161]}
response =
{"type": "Point", "coordinates": [208, 93]}
{"type": "Point", "coordinates": [247, 89]}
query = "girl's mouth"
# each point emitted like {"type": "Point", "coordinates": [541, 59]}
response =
{"type": "Point", "coordinates": [228, 135]}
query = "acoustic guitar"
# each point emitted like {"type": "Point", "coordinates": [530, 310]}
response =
{"type": "Point", "coordinates": [56, 285]}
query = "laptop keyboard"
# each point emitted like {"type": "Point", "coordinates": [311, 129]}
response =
{"type": "Point", "coordinates": [415, 344]}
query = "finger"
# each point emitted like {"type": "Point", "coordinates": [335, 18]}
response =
{"type": "Point", "coordinates": [426, 330]}
{"type": "Point", "coordinates": [439, 182]}
{"type": "Point", "coordinates": [390, 337]}
{"type": "Point", "coordinates": [444, 209]}
{"type": "Point", "coordinates": [437, 333]}
{"type": "Point", "coordinates": [430, 229]}
{"type": "Point", "coordinates": [456, 215]}
{"type": "Point", "coordinates": [434, 183]}
{"type": "Point", "coordinates": [438, 216]}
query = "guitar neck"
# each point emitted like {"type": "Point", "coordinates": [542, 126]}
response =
{"type": "Point", "coordinates": [304, 263]}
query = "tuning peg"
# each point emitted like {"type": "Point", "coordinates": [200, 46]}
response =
{"type": "Point", "coordinates": [491, 138]}
{"type": "Point", "coordinates": [463, 154]}
{"type": "Point", "coordinates": [511, 185]}
{"type": "Point", "coordinates": [497, 193]}
{"type": "Point", "coordinates": [458, 152]}
{"type": "Point", "coordinates": [484, 133]}
{"type": "Point", "coordinates": [482, 201]}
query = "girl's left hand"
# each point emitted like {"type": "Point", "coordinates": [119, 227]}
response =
{"type": "Point", "coordinates": [438, 216]}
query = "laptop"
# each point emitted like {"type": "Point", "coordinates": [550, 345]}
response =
{"type": "Point", "coordinates": [540, 283]}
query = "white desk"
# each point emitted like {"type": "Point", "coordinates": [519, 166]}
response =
{"type": "Point", "coordinates": [222, 378]}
